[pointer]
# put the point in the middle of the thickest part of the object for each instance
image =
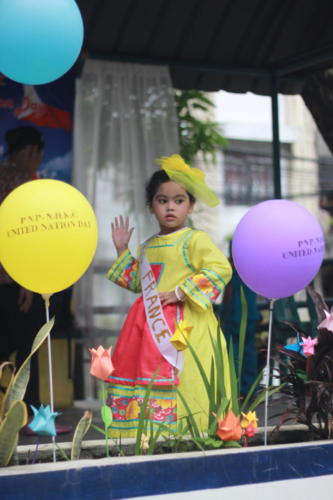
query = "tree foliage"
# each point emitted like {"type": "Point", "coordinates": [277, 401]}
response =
{"type": "Point", "coordinates": [197, 132]}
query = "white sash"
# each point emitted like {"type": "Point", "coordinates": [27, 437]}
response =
{"type": "Point", "coordinates": [158, 326]}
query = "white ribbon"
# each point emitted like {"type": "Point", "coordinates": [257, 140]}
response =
{"type": "Point", "coordinates": [158, 326]}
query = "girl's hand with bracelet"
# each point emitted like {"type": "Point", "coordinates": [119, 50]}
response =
{"type": "Point", "coordinates": [172, 297]}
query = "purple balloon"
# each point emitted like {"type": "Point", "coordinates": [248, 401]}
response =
{"type": "Point", "coordinates": [277, 248]}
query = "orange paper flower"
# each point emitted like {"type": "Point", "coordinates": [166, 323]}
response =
{"type": "Point", "coordinates": [229, 428]}
{"type": "Point", "coordinates": [101, 365]}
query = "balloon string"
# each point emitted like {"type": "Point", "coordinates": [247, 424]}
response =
{"type": "Point", "coordinates": [46, 298]}
{"type": "Point", "coordinates": [267, 367]}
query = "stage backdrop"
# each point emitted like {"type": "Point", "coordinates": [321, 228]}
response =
{"type": "Point", "coordinates": [49, 108]}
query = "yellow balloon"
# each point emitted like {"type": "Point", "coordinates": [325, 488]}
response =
{"type": "Point", "coordinates": [48, 235]}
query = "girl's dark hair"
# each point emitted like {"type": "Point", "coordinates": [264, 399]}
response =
{"type": "Point", "coordinates": [20, 137]}
{"type": "Point", "coordinates": [159, 177]}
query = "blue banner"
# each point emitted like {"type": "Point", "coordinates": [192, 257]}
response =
{"type": "Point", "coordinates": [48, 108]}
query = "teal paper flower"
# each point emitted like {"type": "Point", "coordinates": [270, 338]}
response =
{"type": "Point", "coordinates": [295, 347]}
{"type": "Point", "coordinates": [43, 422]}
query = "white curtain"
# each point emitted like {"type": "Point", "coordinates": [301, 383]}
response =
{"type": "Point", "coordinates": [124, 118]}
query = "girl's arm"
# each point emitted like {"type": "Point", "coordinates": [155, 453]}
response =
{"type": "Point", "coordinates": [211, 271]}
{"type": "Point", "coordinates": [125, 270]}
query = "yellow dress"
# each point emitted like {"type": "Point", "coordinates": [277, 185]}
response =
{"type": "Point", "coordinates": [189, 259]}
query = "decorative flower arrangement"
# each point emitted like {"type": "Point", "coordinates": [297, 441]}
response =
{"type": "Point", "coordinates": [307, 370]}
{"type": "Point", "coordinates": [231, 428]}
{"type": "Point", "coordinates": [231, 420]}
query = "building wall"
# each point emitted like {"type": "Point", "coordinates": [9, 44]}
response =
{"type": "Point", "coordinates": [246, 121]}
{"type": "Point", "coordinates": [303, 178]}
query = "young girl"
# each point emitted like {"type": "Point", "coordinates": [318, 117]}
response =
{"type": "Point", "coordinates": [179, 272]}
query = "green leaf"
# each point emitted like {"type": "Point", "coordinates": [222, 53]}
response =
{"type": "Point", "coordinates": [106, 415]}
{"type": "Point", "coordinates": [190, 420]}
{"type": "Point", "coordinates": [242, 334]}
{"type": "Point", "coordinates": [202, 372]}
{"type": "Point", "coordinates": [17, 390]}
{"type": "Point", "coordinates": [62, 452]}
{"type": "Point", "coordinates": [217, 443]}
{"type": "Point", "coordinates": [14, 420]}
{"type": "Point", "coordinates": [223, 407]}
{"type": "Point", "coordinates": [153, 440]}
{"type": "Point", "coordinates": [8, 364]}
{"type": "Point", "coordinates": [143, 409]}
{"type": "Point", "coordinates": [209, 442]}
{"type": "Point", "coordinates": [301, 374]}
{"type": "Point", "coordinates": [212, 428]}
{"type": "Point", "coordinates": [80, 431]}
{"type": "Point", "coordinates": [219, 367]}
{"type": "Point", "coordinates": [251, 391]}
{"type": "Point", "coordinates": [212, 403]}
{"type": "Point", "coordinates": [197, 442]}
{"type": "Point", "coordinates": [233, 381]}
{"type": "Point", "coordinates": [218, 353]}
{"type": "Point", "coordinates": [98, 429]}
{"type": "Point", "coordinates": [3, 366]}
{"type": "Point", "coordinates": [232, 444]}
{"type": "Point", "coordinates": [261, 396]}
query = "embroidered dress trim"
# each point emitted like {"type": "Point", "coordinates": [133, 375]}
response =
{"type": "Point", "coordinates": [124, 272]}
{"type": "Point", "coordinates": [126, 405]}
{"type": "Point", "coordinates": [111, 379]}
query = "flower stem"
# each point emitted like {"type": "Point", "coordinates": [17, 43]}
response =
{"type": "Point", "coordinates": [104, 392]}
{"type": "Point", "coordinates": [34, 457]}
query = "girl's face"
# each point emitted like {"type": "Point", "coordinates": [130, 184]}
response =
{"type": "Point", "coordinates": [171, 205]}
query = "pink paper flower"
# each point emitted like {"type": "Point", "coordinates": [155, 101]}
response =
{"type": "Point", "coordinates": [327, 322]}
{"type": "Point", "coordinates": [308, 345]}
{"type": "Point", "coordinates": [101, 365]}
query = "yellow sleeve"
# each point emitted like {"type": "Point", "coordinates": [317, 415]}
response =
{"type": "Point", "coordinates": [125, 272]}
{"type": "Point", "coordinates": [211, 271]}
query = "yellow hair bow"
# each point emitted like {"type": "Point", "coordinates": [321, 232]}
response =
{"type": "Point", "coordinates": [192, 179]}
{"type": "Point", "coordinates": [176, 163]}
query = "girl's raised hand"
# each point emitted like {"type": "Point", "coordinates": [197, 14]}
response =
{"type": "Point", "coordinates": [121, 233]}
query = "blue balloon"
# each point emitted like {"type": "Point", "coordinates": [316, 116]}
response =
{"type": "Point", "coordinates": [39, 39]}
